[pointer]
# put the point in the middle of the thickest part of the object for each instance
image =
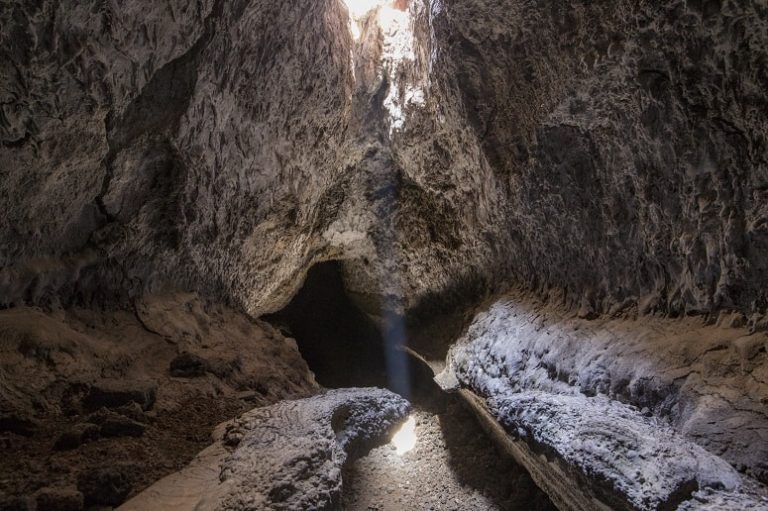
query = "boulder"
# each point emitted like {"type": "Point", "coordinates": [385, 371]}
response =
{"type": "Point", "coordinates": [285, 456]}
{"type": "Point", "coordinates": [116, 393]}
{"type": "Point", "coordinates": [76, 436]}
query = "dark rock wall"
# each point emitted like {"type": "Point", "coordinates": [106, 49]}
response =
{"type": "Point", "coordinates": [68, 69]}
{"type": "Point", "coordinates": [610, 156]}
{"type": "Point", "coordinates": [631, 137]}
{"type": "Point", "coordinates": [616, 152]}
{"type": "Point", "coordinates": [185, 144]}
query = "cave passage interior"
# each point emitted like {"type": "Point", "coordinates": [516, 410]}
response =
{"type": "Point", "coordinates": [384, 255]}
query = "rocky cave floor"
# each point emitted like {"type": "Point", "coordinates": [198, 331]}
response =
{"type": "Point", "coordinates": [112, 440]}
{"type": "Point", "coordinates": [66, 455]}
{"type": "Point", "coordinates": [453, 466]}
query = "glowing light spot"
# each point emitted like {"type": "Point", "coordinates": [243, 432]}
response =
{"type": "Point", "coordinates": [389, 12]}
{"type": "Point", "coordinates": [405, 439]}
{"type": "Point", "coordinates": [391, 19]}
{"type": "Point", "coordinates": [359, 8]}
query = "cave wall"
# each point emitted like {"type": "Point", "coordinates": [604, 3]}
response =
{"type": "Point", "coordinates": [606, 157]}
{"type": "Point", "coordinates": [709, 382]}
{"type": "Point", "coordinates": [615, 152]}
{"type": "Point", "coordinates": [153, 147]}
{"type": "Point", "coordinates": [631, 137]}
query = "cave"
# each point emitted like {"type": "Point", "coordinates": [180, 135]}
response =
{"type": "Point", "coordinates": [384, 255]}
{"type": "Point", "coordinates": [341, 345]}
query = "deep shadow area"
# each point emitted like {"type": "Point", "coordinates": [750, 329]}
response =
{"type": "Point", "coordinates": [455, 465]}
{"type": "Point", "coordinates": [479, 464]}
{"type": "Point", "coordinates": [341, 345]}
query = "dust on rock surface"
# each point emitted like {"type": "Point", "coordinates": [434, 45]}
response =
{"type": "Point", "coordinates": [453, 466]}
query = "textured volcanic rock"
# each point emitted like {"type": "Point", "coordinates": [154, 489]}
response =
{"type": "Point", "coordinates": [714, 500]}
{"type": "Point", "coordinates": [56, 368]}
{"type": "Point", "coordinates": [631, 139]}
{"type": "Point", "coordinates": [84, 360]}
{"type": "Point", "coordinates": [614, 151]}
{"type": "Point", "coordinates": [285, 456]}
{"type": "Point", "coordinates": [633, 462]}
{"type": "Point", "coordinates": [608, 156]}
{"type": "Point", "coordinates": [162, 146]}
{"type": "Point", "coordinates": [609, 403]}
{"type": "Point", "coordinates": [698, 378]}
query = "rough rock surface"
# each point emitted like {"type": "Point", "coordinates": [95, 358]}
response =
{"type": "Point", "coordinates": [640, 463]}
{"type": "Point", "coordinates": [82, 391]}
{"type": "Point", "coordinates": [612, 399]}
{"type": "Point", "coordinates": [709, 383]}
{"type": "Point", "coordinates": [614, 151]}
{"type": "Point", "coordinates": [630, 138]}
{"type": "Point", "coordinates": [285, 456]}
{"type": "Point", "coordinates": [452, 467]}
{"type": "Point", "coordinates": [608, 155]}
{"type": "Point", "coordinates": [714, 500]}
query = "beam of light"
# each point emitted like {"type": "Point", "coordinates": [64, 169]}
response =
{"type": "Point", "coordinates": [390, 13]}
{"type": "Point", "coordinates": [395, 338]}
{"type": "Point", "coordinates": [405, 439]}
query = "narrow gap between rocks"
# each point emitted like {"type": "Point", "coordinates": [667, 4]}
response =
{"type": "Point", "coordinates": [453, 466]}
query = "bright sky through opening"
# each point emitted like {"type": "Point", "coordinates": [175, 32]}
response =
{"type": "Point", "coordinates": [358, 9]}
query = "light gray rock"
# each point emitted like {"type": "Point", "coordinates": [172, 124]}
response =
{"type": "Point", "coordinates": [714, 500]}
{"type": "Point", "coordinates": [285, 456]}
{"type": "Point", "coordinates": [627, 460]}
{"type": "Point", "coordinates": [691, 375]}
{"type": "Point", "coordinates": [616, 411]}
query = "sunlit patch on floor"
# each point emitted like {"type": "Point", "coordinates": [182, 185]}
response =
{"type": "Point", "coordinates": [453, 466]}
{"type": "Point", "coordinates": [405, 439]}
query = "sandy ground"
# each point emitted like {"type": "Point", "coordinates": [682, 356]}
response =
{"type": "Point", "coordinates": [453, 466]}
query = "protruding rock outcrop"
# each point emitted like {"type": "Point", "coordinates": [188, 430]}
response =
{"type": "Point", "coordinates": [286, 456]}
{"type": "Point", "coordinates": [620, 408]}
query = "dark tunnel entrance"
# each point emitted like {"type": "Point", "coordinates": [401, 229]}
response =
{"type": "Point", "coordinates": [341, 345]}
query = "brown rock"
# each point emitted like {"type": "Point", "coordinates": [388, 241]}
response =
{"type": "Point", "coordinates": [59, 499]}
